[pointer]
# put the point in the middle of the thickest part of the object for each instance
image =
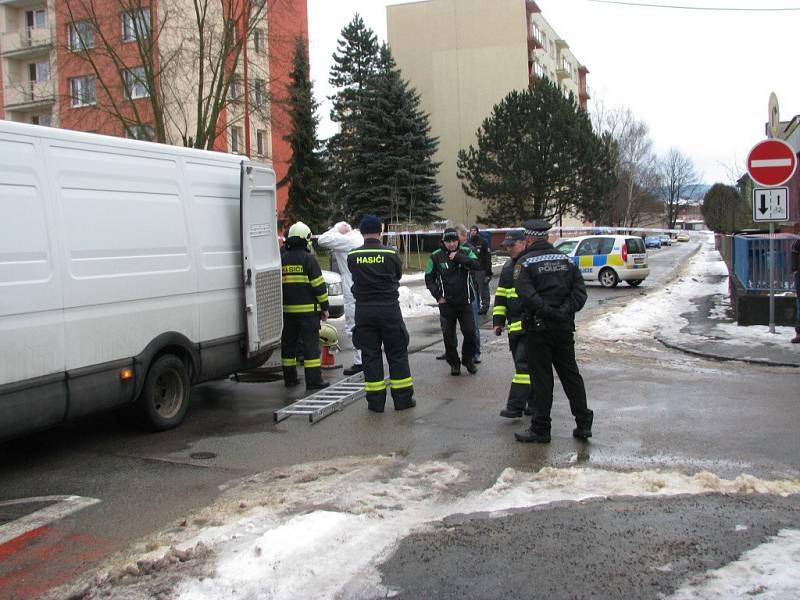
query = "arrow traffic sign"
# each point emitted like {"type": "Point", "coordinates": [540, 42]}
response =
{"type": "Point", "coordinates": [771, 163]}
{"type": "Point", "coordinates": [771, 204]}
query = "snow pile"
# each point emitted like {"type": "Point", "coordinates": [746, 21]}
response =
{"type": "Point", "coordinates": [760, 573]}
{"type": "Point", "coordinates": [416, 305]}
{"type": "Point", "coordinates": [319, 530]}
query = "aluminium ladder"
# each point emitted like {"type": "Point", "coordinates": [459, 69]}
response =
{"type": "Point", "coordinates": [325, 402]}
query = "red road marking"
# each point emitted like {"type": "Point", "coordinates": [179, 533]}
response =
{"type": "Point", "coordinates": [46, 557]}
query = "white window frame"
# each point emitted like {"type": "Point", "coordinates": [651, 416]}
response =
{"type": "Point", "coordinates": [233, 88]}
{"type": "Point", "coordinates": [37, 12]}
{"type": "Point", "coordinates": [80, 92]}
{"type": "Point", "coordinates": [261, 142]}
{"type": "Point", "coordinates": [135, 84]}
{"type": "Point", "coordinates": [236, 140]}
{"type": "Point", "coordinates": [40, 68]}
{"type": "Point", "coordinates": [134, 23]}
{"type": "Point", "coordinates": [80, 35]}
{"type": "Point", "coordinates": [259, 41]}
{"type": "Point", "coordinates": [259, 87]}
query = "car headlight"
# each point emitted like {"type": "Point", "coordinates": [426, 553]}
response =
{"type": "Point", "coordinates": [334, 289]}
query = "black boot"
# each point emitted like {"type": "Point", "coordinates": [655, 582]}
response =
{"type": "Point", "coordinates": [796, 339]}
{"type": "Point", "coordinates": [470, 366]}
{"type": "Point", "coordinates": [529, 435]}
{"type": "Point", "coordinates": [353, 370]}
{"type": "Point", "coordinates": [455, 369]}
{"type": "Point", "coordinates": [583, 431]}
{"type": "Point", "coordinates": [316, 385]}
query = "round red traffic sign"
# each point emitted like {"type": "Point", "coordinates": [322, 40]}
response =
{"type": "Point", "coordinates": [771, 163]}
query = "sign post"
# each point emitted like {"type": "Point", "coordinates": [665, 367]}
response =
{"type": "Point", "coordinates": [771, 163]}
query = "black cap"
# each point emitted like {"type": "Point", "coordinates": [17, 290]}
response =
{"type": "Point", "coordinates": [370, 224]}
{"type": "Point", "coordinates": [536, 227]}
{"type": "Point", "coordinates": [450, 234]}
{"type": "Point", "coordinates": [513, 236]}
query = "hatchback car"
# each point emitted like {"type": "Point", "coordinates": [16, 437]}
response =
{"type": "Point", "coordinates": [665, 239]}
{"type": "Point", "coordinates": [682, 237]}
{"type": "Point", "coordinates": [608, 259]}
{"type": "Point", "coordinates": [652, 241]}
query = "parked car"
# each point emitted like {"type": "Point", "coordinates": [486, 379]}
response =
{"type": "Point", "coordinates": [665, 239]}
{"type": "Point", "coordinates": [682, 237]}
{"type": "Point", "coordinates": [335, 297]}
{"type": "Point", "coordinates": [652, 241]}
{"type": "Point", "coordinates": [608, 258]}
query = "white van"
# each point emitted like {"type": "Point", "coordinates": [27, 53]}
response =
{"type": "Point", "coordinates": [128, 272]}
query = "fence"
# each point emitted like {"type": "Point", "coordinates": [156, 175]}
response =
{"type": "Point", "coordinates": [749, 256]}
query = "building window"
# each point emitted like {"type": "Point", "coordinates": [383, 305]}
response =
{"type": "Point", "coordinates": [83, 91]}
{"type": "Point", "coordinates": [136, 24]}
{"type": "Point", "coordinates": [538, 70]}
{"type": "Point", "coordinates": [43, 120]}
{"type": "Point", "coordinates": [261, 142]}
{"type": "Point", "coordinates": [258, 92]}
{"type": "Point", "coordinates": [39, 71]}
{"type": "Point", "coordinates": [36, 19]}
{"type": "Point", "coordinates": [81, 35]}
{"type": "Point", "coordinates": [233, 88]}
{"type": "Point", "coordinates": [140, 132]}
{"type": "Point", "coordinates": [565, 65]}
{"type": "Point", "coordinates": [230, 33]}
{"type": "Point", "coordinates": [135, 83]}
{"type": "Point", "coordinates": [258, 41]}
{"type": "Point", "coordinates": [236, 140]}
{"type": "Point", "coordinates": [537, 33]}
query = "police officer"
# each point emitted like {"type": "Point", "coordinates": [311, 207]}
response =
{"type": "Point", "coordinates": [376, 271]}
{"type": "Point", "coordinates": [448, 278]}
{"type": "Point", "coordinates": [305, 302]}
{"type": "Point", "coordinates": [551, 290]}
{"type": "Point", "coordinates": [507, 313]}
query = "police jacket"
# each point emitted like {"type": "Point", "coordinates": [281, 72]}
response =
{"type": "Point", "coordinates": [451, 279]}
{"type": "Point", "coordinates": [507, 307]}
{"type": "Point", "coordinates": [484, 253]}
{"type": "Point", "coordinates": [376, 271]}
{"type": "Point", "coordinates": [550, 288]}
{"type": "Point", "coordinates": [305, 292]}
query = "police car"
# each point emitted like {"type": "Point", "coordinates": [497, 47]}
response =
{"type": "Point", "coordinates": [608, 259]}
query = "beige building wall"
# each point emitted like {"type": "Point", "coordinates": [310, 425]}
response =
{"type": "Point", "coordinates": [464, 56]}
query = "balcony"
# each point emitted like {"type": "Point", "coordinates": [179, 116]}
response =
{"type": "Point", "coordinates": [29, 42]}
{"type": "Point", "coordinates": [530, 6]}
{"type": "Point", "coordinates": [28, 96]}
{"type": "Point", "coordinates": [584, 92]}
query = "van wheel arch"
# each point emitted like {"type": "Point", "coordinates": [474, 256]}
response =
{"type": "Point", "coordinates": [164, 400]}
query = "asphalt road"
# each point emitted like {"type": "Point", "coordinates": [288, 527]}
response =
{"type": "Point", "coordinates": [654, 409]}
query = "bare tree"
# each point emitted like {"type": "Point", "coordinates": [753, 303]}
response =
{"type": "Point", "coordinates": [174, 73]}
{"type": "Point", "coordinates": [678, 176]}
{"type": "Point", "coordinates": [637, 165]}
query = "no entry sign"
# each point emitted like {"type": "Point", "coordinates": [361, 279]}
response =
{"type": "Point", "coordinates": [771, 163]}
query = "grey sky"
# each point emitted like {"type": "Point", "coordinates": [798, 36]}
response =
{"type": "Point", "coordinates": [700, 79]}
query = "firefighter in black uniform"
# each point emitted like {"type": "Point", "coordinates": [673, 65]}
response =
{"type": "Point", "coordinates": [305, 302]}
{"type": "Point", "coordinates": [551, 290]}
{"type": "Point", "coordinates": [507, 313]}
{"type": "Point", "coordinates": [376, 271]}
{"type": "Point", "coordinates": [448, 278]}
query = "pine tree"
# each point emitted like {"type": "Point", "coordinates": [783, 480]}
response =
{"type": "Point", "coordinates": [354, 64]}
{"type": "Point", "coordinates": [397, 149]}
{"type": "Point", "coordinates": [307, 174]}
{"type": "Point", "coordinates": [536, 156]}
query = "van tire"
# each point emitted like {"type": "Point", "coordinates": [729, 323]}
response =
{"type": "Point", "coordinates": [608, 278]}
{"type": "Point", "coordinates": [634, 282]}
{"type": "Point", "coordinates": [165, 395]}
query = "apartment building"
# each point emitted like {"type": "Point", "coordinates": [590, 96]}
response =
{"type": "Point", "coordinates": [80, 64]}
{"type": "Point", "coordinates": [464, 56]}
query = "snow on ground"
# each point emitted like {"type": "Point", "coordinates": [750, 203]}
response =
{"type": "Point", "coordinates": [416, 305]}
{"type": "Point", "coordinates": [658, 312]}
{"type": "Point", "coordinates": [363, 507]}
{"type": "Point", "coordinates": [759, 573]}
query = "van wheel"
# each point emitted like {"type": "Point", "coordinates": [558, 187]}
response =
{"type": "Point", "coordinates": [634, 282]}
{"type": "Point", "coordinates": [164, 399]}
{"type": "Point", "coordinates": [608, 278]}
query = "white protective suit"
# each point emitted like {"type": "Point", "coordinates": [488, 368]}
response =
{"type": "Point", "coordinates": [341, 239]}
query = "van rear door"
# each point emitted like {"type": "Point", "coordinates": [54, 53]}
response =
{"type": "Point", "coordinates": [261, 261]}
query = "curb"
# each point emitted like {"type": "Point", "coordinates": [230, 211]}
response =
{"type": "Point", "coordinates": [764, 362]}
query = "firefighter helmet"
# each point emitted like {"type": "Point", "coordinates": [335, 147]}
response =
{"type": "Point", "coordinates": [328, 336]}
{"type": "Point", "coordinates": [300, 230]}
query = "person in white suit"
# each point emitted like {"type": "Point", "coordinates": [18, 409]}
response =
{"type": "Point", "coordinates": [341, 239]}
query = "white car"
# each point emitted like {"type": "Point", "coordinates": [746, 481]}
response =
{"type": "Point", "coordinates": [608, 259]}
{"type": "Point", "coordinates": [335, 297]}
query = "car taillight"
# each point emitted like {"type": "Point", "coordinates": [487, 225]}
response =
{"type": "Point", "coordinates": [624, 252]}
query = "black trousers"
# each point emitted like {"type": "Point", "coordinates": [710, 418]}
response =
{"type": "Point", "coordinates": [520, 396]}
{"type": "Point", "coordinates": [449, 314]}
{"type": "Point", "coordinates": [548, 349]}
{"type": "Point", "coordinates": [302, 331]}
{"type": "Point", "coordinates": [383, 326]}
